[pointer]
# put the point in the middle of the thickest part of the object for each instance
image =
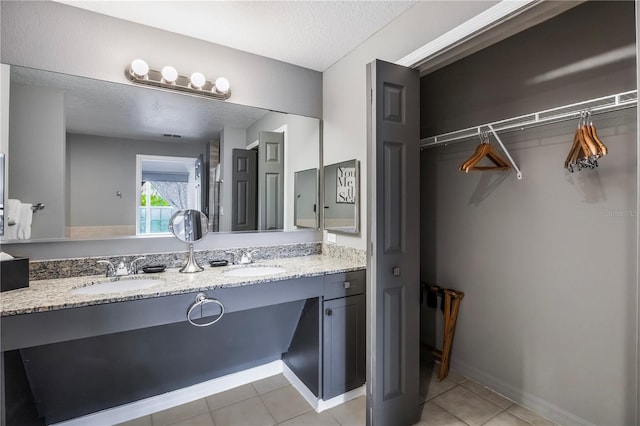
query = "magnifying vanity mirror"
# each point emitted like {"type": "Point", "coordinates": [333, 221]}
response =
{"type": "Point", "coordinates": [342, 197]}
{"type": "Point", "coordinates": [118, 160]}
{"type": "Point", "coordinates": [189, 226]}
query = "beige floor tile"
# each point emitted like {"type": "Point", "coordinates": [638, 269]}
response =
{"type": "Point", "coordinates": [201, 420]}
{"type": "Point", "coordinates": [140, 421]}
{"type": "Point", "coordinates": [487, 393]}
{"type": "Point", "coordinates": [455, 376]}
{"type": "Point", "coordinates": [506, 419]}
{"type": "Point", "coordinates": [433, 415]}
{"type": "Point", "coordinates": [312, 419]}
{"type": "Point", "coordinates": [179, 413]}
{"type": "Point", "coordinates": [285, 403]}
{"type": "Point", "coordinates": [271, 383]}
{"type": "Point", "coordinates": [250, 412]}
{"type": "Point", "coordinates": [529, 416]}
{"type": "Point", "coordinates": [430, 386]}
{"type": "Point", "coordinates": [350, 413]}
{"type": "Point", "coordinates": [467, 406]}
{"type": "Point", "coordinates": [231, 396]}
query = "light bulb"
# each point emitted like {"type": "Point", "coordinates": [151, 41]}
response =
{"type": "Point", "coordinates": [169, 74]}
{"type": "Point", "coordinates": [139, 67]}
{"type": "Point", "coordinates": [222, 85]}
{"type": "Point", "coordinates": [198, 80]}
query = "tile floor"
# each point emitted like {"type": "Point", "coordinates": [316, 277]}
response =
{"type": "Point", "coordinates": [273, 401]}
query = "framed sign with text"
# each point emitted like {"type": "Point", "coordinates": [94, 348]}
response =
{"type": "Point", "coordinates": [346, 185]}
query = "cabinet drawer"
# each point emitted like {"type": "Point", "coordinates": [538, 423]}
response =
{"type": "Point", "coordinates": [344, 284]}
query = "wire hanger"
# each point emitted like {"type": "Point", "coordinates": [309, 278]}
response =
{"type": "Point", "coordinates": [484, 149]}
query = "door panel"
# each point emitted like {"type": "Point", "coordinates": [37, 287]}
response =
{"type": "Point", "coordinates": [271, 180]}
{"type": "Point", "coordinates": [394, 248]}
{"type": "Point", "coordinates": [244, 183]}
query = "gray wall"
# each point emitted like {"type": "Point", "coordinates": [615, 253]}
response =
{"type": "Point", "coordinates": [93, 184]}
{"type": "Point", "coordinates": [548, 263]}
{"type": "Point", "coordinates": [57, 37]}
{"type": "Point", "coordinates": [37, 124]}
{"type": "Point", "coordinates": [344, 83]}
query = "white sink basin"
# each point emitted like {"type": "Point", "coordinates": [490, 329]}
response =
{"type": "Point", "coordinates": [253, 271]}
{"type": "Point", "coordinates": [122, 285]}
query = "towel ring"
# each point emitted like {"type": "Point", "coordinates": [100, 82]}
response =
{"type": "Point", "coordinates": [202, 299]}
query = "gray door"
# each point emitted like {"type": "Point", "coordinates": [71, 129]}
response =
{"type": "Point", "coordinates": [271, 180]}
{"type": "Point", "coordinates": [393, 266]}
{"type": "Point", "coordinates": [244, 181]}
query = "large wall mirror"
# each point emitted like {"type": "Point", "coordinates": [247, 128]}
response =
{"type": "Point", "coordinates": [342, 197]}
{"type": "Point", "coordinates": [108, 159]}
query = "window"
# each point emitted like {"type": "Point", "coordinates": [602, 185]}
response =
{"type": "Point", "coordinates": [165, 185]}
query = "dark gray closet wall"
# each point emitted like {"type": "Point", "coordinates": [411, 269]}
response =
{"type": "Point", "coordinates": [548, 263]}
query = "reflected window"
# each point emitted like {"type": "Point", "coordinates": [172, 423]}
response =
{"type": "Point", "coordinates": [165, 185]}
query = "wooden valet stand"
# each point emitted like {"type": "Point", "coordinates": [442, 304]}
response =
{"type": "Point", "coordinates": [451, 300]}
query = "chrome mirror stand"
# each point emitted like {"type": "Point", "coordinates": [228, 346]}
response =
{"type": "Point", "coordinates": [192, 264]}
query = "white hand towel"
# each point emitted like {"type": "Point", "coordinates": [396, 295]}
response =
{"type": "Point", "coordinates": [24, 221]}
{"type": "Point", "coordinates": [11, 219]}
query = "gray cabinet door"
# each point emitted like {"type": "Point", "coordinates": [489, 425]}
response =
{"type": "Point", "coordinates": [393, 267]}
{"type": "Point", "coordinates": [271, 180]}
{"type": "Point", "coordinates": [343, 345]}
{"type": "Point", "coordinates": [244, 183]}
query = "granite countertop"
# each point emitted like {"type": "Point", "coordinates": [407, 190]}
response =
{"type": "Point", "coordinates": [54, 294]}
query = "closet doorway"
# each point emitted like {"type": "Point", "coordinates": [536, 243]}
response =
{"type": "Point", "coordinates": [548, 263]}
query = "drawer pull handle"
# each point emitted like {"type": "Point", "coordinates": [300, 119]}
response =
{"type": "Point", "coordinates": [329, 312]}
{"type": "Point", "coordinates": [202, 299]}
{"type": "Point", "coordinates": [347, 284]}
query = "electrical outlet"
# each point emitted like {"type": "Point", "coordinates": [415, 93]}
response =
{"type": "Point", "coordinates": [331, 237]}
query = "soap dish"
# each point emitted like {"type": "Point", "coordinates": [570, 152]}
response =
{"type": "Point", "coordinates": [153, 269]}
{"type": "Point", "coordinates": [215, 263]}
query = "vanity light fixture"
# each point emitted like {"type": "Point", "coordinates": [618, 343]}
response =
{"type": "Point", "coordinates": [168, 78]}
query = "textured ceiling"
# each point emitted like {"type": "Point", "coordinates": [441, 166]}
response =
{"type": "Point", "coordinates": [311, 34]}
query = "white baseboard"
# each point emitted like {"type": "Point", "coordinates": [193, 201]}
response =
{"type": "Point", "coordinates": [318, 404]}
{"type": "Point", "coordinates": [540, 406]}
{"type": "Point", "coordinates": [341, 399]}
{"type": "Point", "coordinates": [171, 399]}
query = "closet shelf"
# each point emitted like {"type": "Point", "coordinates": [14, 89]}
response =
{"type": "Point", "coordinates": [567, 112]}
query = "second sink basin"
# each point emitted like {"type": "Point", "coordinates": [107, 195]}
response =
{"type": "Point", "coordinates": [253, 271]}
{"type": "Point", "coordinates": [119, 286]}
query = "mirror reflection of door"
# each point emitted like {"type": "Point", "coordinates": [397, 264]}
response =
{"type": "Point", "coordinates": [271, 180]}
{"type": "Point", "coordinates": [245, 190]}
{"type": "Point", "coordinates": [258, 184]}
{"type": "Point", "coordinates": [166, 185]}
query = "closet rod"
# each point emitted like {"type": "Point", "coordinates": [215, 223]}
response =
{"type": "Point", "coordinates": [567, 112]}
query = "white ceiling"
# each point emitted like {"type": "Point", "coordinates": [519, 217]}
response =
{"type": "Point", "coordinates": [311, 34]}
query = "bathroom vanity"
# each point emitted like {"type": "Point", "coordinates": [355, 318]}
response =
{"type": "Point", "coordinates": [83, 353]}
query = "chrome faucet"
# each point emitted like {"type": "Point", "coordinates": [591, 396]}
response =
{"type": "Point", "coordinates": [121, 269]}
{"type": "Point", "coordinates": [111, 270]}
{"type": "Point", "coordinates": [246, 257]}
{"type": "Point", "coordinates": [241, 257]}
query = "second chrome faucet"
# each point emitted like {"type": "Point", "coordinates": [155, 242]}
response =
{"type": "Point", "coordinates": [121, 269]}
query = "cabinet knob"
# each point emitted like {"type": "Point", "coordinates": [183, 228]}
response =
{"type": "Point", "coordinates": [329, 312]}
{"type": "Point", "coordinates": [396, 272]}
{"type": "Point", "coordinates": [347, 284]}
